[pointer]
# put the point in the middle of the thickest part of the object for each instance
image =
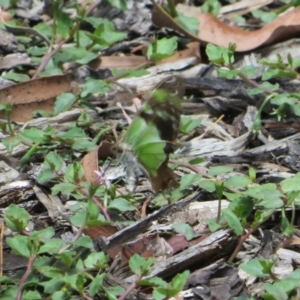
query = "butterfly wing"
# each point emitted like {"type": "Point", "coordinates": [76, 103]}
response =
{"type": "Point", "coordinates": [153, 130]}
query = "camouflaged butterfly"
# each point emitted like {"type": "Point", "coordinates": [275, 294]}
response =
{"type": "Point", "coordinates": [150, 137]}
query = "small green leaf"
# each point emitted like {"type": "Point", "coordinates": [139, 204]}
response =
{"type": "Point", "coordinates": [277, 73]}
{"type": "Point", "coordinates": [257, 267]}
{"type": "Point", "coordinates": [50, 272]}
{"type": "Point", "coordinates": [64, 188]}
{"type": "Point", "coordinates": [96, 260]}
{"type": "Point", "coordinates": [35, 135]}
{"type": "Point", "coordinates": [55, 162]}
{"type": "Point", "coordinates": [84, 145]}
{"type": "Point", "coordinates": [121, 204]}
{"type": "Point", "coordinates": [187, 124]}
{"type": "Point", "coordinates": [188, 179]}
{"type": "Point", "coordinates": [96, 284]}
{"type": "Point", "coordinates": [16, 218]}
{"type": "Point", "coordinates": [228, 74]}
{"type": "Point", "coordinates": [92, 86]}
{"type": "Point", "coordinates": [11, 142]}
{"type": "Point", "coordinates": [233, 221]}
{"type": "Point", "coordinates": [208, 185]}
{"type": "Point", "coordinates": [63, 21]}
{"type": "Point", "coordinates": [16, 77]}
{"type": "Point", "coordinates": [52, 246]}
{"type": "Point", "coordinates": [120, 4]}
{"type": "Point", "coordinates": [249, 71]}
{"type": "Point", "coordinates": [80, 55]}
{"type": "Point", "coordinates": [211, 6]}
{"type": "Point", "coordinates": [215, 171]}
{"type": "Point", "coordinates": [84, 241]}
{"type": "Point", "coordinates": [184, 228]}
{"type": "Point", "coordinates": [140, 265]}
{"type": "Point", "coordinates": [63, 103]}
{"type": "Point", "coordinates": [189, 23]}
{"type": "Point", "coordinates": [291, 184]}
{"type": "Point", "coordinates": [19, 244]}
{"type": "Point", "coordinates": [160, 49]}
{"type": "Point", "coordinates": [79, 219]}
{"type": "Point", "coordinates": [238, 181]}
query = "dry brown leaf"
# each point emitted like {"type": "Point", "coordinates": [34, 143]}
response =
{"type": "Point", "coordinates": [211, 30]}
{"type": "Point", "coordinates": [37, 94]}
{"type": "Point", "coordinates": [5, 16]}
{"type": "Point", "coordinates": [90, 160]}
{"type": "Point", "coordinates": [192, 50]}
{"type": "Point", "coordinates": [120, 62]}
{"type": "Point", "coordinates": [103, 230]}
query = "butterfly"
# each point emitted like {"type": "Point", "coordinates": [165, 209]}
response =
{"type": "Point", "coordinates": [150, 138]}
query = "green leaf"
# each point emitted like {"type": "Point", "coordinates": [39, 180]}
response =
{"type": "Point", "coordinates": [105, 35]}
{"type": "Point", "coordinates": [188, 179]}
{"type": "Point", "coordinates": [19, 244]}
{"type": "Point", "coordinates": [242, 206]}
{"type": "Point", "coordinates": [147, 144]}
{"type": "Point", "coordinates": [16, 218]}
{"type": "Point", "coordinates": [265, 86]}
{"type": "Point", "coordinates": [51, 272]}
{"type": "Point", "coordinates": [258, 267]}
{"type": "Point", "coordinates": [35, 135]}
{"type": "Point", "coordinates": [208, 185]}
{"type": "Point", "coordinates": [74, 173]}
{"type": "Point", "coordinates": [84, 241]}
{"type": "Point", "coordinates": [277, 73]}
{"type": "Point", "coordinates": [211, 6]}
{"type": "Point", "coordinates": [52, 246]}
{"type": "Point", "coordinates": [238, 181]}
{"type": "Point", "coordinates": [55, 162]}
{"type": "Point", "coordinates": [96, 284]}
{"type": "Point", "coordinates": [92, 86]}
{"type": "Point", "coordinates": [97, 260]}
{"type": "Point", "coordinates": [79, 219]}
{"type": "Point", "coordinates": [84, 145]}
{"type": "Point", "coordinates": [63, 103]}
{"type": "Point", "coordinates": [220, 55]}
{"type": "Point", "coordinates": [120, 4]}
{"type": "Point", "coordinates": [233, 221]}
{"type": "Point", "coordinates": [249, 71]}
{"type": "Point", "coordinates": [11, 142]}
{"type": "Point", "coordinates": [228, 74]}
{"type": "Point", "coordinates": [130, 73]}
{"type": "Point", "coordinates": [121, 204]}
{"type": "Point", "coordinates": [187, 124]}
{"type": "Point", "coordinates": [290, 184]}
{"type": "Point", "coordinates": [184, 228]}
{"type": "Point", "coordinates": [72, 133]}
{"type": "Point", "coordinates": [274, 292]}
{"type": "Point", "coordinates": [153, 281]}
{"type": "Point", "coordinates": [46, 175]}
{"type": "Point", "coordinates": [189, 23]}
{"type": "Point", "coordinates": [64, 188]}
{"type": "Point", "coordinates": [16, 77]}
{"type": "Point", "coordinates": [212, 225]}
{"type": "Point", "coordinates": [63, 21]}
{"type": "Point", "coordinates": [196, 161]}
{"type": "Point", "coordinates": [31, 295]}
{"type": "Point", "coordinates": [93, 210]}
{"type": "Point", "coordinates": [160, 49]}
{"type": "Point", "coordinates": [140, 265]}
{"type": "Point", "coordinates": [178, 282]}
{"type": "Point", "coordinates": [215, 171]}
{"type": "Point", "coordinates": [80, 55]}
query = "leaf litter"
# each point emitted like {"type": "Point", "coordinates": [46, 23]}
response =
{"type": "Point", "coordinates": [241, 166]}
